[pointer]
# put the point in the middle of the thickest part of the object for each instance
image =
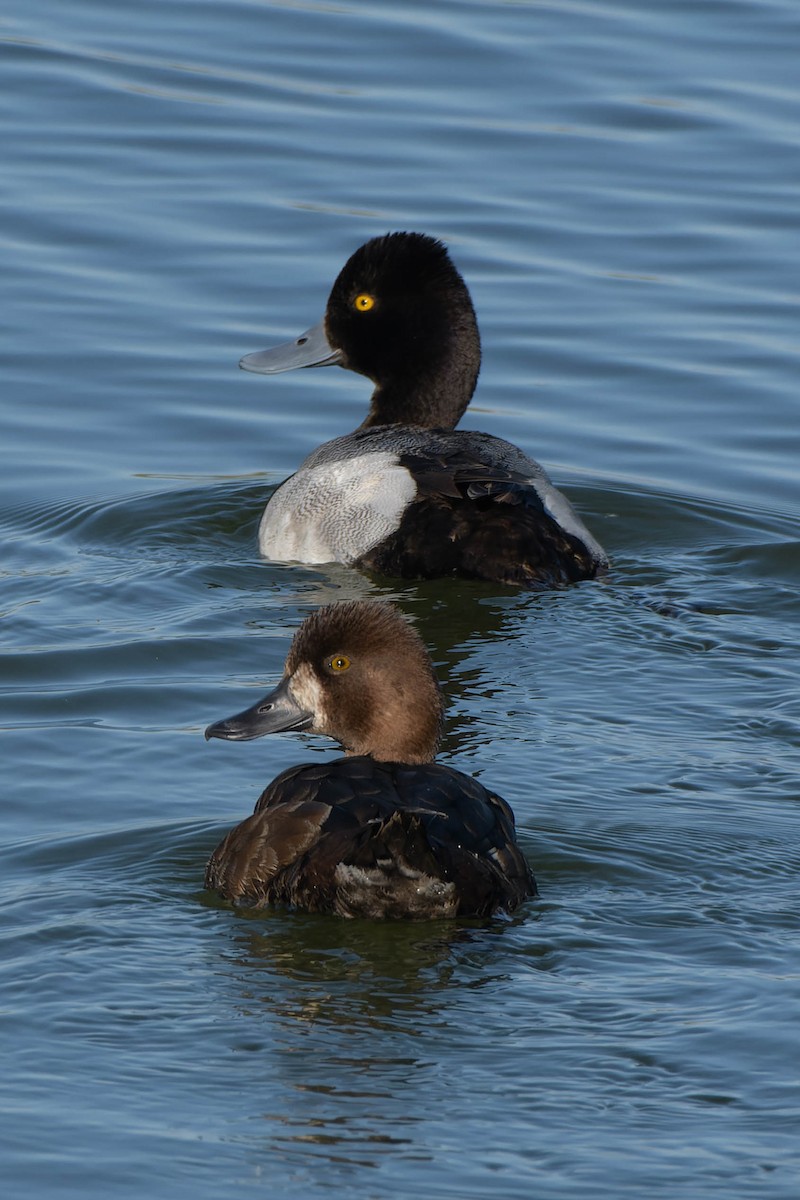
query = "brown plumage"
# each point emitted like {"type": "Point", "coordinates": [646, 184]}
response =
{"type": "Point", "coordinates": [385, 831]}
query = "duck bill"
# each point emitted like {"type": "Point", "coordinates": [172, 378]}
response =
{"type": "Point", "coordinates": [278, 712]}
{"type": "Point", "coordinates": [311, 349]}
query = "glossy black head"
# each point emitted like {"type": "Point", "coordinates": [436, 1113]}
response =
{"type": "Point", "coordinates": [400, 313]}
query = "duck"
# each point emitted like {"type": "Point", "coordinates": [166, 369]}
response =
{"type": "Point", "coordinates": [406, 494]}
{"type": "Point", "coordinates": [384, 832]}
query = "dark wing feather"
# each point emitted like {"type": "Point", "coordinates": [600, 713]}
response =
{"type": "Point", "coordinates": [362, 838]}
{"type": "Point", "coordinates": [482, 521]}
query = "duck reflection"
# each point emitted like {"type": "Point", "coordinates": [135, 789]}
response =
{"type": "Point", "coordinates": [352, 1018]}
{"type": "Point", "coordinates": [312, 969]}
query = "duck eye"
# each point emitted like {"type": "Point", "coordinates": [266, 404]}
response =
{"type": "Point", "coordinates": [363, 302]}
{"type": "Point", "coordinates": [339, 663]}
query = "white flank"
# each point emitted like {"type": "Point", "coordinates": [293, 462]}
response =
{"type": "Point", "coordinates": [335, 512]}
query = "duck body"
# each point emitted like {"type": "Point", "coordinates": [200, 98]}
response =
{"type": "Point", "coordinates": [384, 832]}
{"type": "Point", "coordinates": [377, 840]}
{"type": "Point", "coordinates": [407, 494]}
{"type": "Point", "coordinates": [424, 503]}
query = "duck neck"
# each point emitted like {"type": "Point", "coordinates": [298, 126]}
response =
{"type": "Point", "coordinates": [405, 729]}
{"type": "Point", "coordinates": [432, 399]}
{"type": "Point", "coordinates": [413, 751]}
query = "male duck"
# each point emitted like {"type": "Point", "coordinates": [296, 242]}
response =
{"type": "Point", "coordinates": [385, 831]}
{"type": "Point", "coordinates": [406, 494]}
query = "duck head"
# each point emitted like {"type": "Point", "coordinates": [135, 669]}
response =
{"type": "Point", "coordinates": [359, 673]}
{"type": "Point", "coordinates": [399, 313]}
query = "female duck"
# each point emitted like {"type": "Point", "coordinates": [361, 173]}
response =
{"type": "Point", "coordinates": [406, 493]}
{"type": "Point", "coordinates": [385, 831]}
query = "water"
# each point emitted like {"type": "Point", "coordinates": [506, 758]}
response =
{"type": "Point", "coordinates": [181, 182]}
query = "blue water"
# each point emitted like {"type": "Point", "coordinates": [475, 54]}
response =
{"type": "Point", "coordinates": [180, 183]}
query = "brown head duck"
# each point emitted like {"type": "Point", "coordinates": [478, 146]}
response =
{"type": "Point", "coordinates": [384, 831]}
{"type": "Point", "coordinates": [407, 494]}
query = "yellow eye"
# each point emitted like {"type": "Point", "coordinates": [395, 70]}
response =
{"type": "Point", "coordinates": [339, 663]}
{"type": "Point", "coordinates": [364, 302]}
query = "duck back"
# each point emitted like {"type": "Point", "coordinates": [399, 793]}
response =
{"type": "Point", "coordinates": [380, 840]}
{"type": "Point", "coordinates": [421, 504]}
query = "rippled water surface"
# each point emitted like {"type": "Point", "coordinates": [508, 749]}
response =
{"type": "Point", "coordinates": [181, 182]}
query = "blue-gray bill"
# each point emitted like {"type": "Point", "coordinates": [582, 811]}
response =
{"type": "Point", "coordinates": [278, 712]}
{"type": "Point", "coordinates": [311, 349]}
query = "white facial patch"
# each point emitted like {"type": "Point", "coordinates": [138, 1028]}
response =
{"type": "Point", "coordinates": [307, 693]}
{"type": "Point", "coordinates": [337, 511]}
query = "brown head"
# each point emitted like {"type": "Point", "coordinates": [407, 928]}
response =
{"type": "Point", "coordinates": [360, 674]}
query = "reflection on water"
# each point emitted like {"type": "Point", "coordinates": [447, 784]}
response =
{"type": "Point", "coordinates": [353, 1018]}
{"type": "Point", "coordinates": [364, 975]}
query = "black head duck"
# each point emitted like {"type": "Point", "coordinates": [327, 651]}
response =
{"type": "Point", "coordinates": [407, 494]}
{"type": "Point", "coordinates": [384, 831]}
